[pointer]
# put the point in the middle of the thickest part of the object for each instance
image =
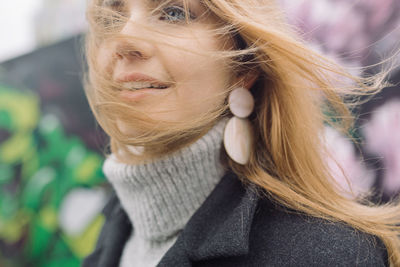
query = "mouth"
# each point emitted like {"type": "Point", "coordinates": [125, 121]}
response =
{"type": "Point", "coordinates": [139, 85]}
{"type": "Point", "coordinates": [137, 90]}
{"type": "Point", "coordinates": [139, 81]}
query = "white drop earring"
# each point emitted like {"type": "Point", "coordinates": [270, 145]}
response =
{"type": "Point", "coordinates": [238, 136]}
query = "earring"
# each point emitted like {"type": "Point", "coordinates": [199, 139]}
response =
{"type": "Point", "coordinates": [238, 135]}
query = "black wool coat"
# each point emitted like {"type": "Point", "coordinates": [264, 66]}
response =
{"type": "Point", "coordinates": [235, 226]}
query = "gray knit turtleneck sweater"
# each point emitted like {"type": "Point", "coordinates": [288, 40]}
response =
{"type": "Point", "coordinates": [159, 197]}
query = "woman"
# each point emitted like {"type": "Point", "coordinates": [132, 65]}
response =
{"type": "Point", "coordinates": [193, 188]}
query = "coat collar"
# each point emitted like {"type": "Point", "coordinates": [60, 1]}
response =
{"type": "Point", "coordinates": [219, 228]}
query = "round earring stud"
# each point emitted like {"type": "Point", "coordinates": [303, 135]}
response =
{"type": "Point", "coordinates": [241, 102]}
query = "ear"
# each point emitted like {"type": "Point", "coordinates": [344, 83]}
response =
{"type": "Point", "coordinates": [247, 80]}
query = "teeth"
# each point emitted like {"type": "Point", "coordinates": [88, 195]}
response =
{"type": "Point", "coordinates": [141, 85]}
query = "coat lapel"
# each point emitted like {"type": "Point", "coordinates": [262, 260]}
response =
{"type": "Point", "coordinates": [219, 228]}
{"type": "Point", "coordinates": [114, 234]}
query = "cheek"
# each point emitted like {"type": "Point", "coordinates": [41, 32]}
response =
{"type": "Point", "coordinates": [104, 59]}
{"type": "Point", "coordinates": [199, 75]}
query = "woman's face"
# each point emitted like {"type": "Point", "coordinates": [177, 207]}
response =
{"type": "Point", "coordinates": [172, 79]}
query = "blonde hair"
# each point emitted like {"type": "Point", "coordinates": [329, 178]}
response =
{"type": "Point", "coordinates": [295, 91]}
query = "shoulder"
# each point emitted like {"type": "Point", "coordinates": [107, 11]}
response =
{"type": "Point", "coordinates": [300, 240]}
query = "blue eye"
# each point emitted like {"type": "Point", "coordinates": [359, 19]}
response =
{"type": "Point", "coordinates": [174, 14]}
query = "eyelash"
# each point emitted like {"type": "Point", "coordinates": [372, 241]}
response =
{"type": "Point", "coordinates": [182, 15]}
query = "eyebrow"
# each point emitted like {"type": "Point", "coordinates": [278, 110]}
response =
{"type": "Point", "coordinates": [121, 2]}
{"type": "Point", "coordinates": [112, 3]}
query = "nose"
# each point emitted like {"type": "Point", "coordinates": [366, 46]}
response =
{"type": "Point", "coordinates": [128, 50]}
{"type": "Point", "coordinates": [136, 45]}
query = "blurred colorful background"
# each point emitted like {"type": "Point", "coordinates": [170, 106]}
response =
{"type": "Point", "coordinates": [52, 188]}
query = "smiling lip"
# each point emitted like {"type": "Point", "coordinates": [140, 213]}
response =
{"type": "Point", "coordinates": [138, 94]}
{"type": "Point", "coordinates": [134, 96]}
{"type": "Point", "coordinates": [139, 77]}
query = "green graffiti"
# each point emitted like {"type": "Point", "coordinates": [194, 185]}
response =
{"type": "Point", "coordinates": [19, 115]}
{"type": "Point", "coordinates": [39, 166]}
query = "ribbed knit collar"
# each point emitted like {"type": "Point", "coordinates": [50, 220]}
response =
{"type": "Point", "coordinates": [159, 197]}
